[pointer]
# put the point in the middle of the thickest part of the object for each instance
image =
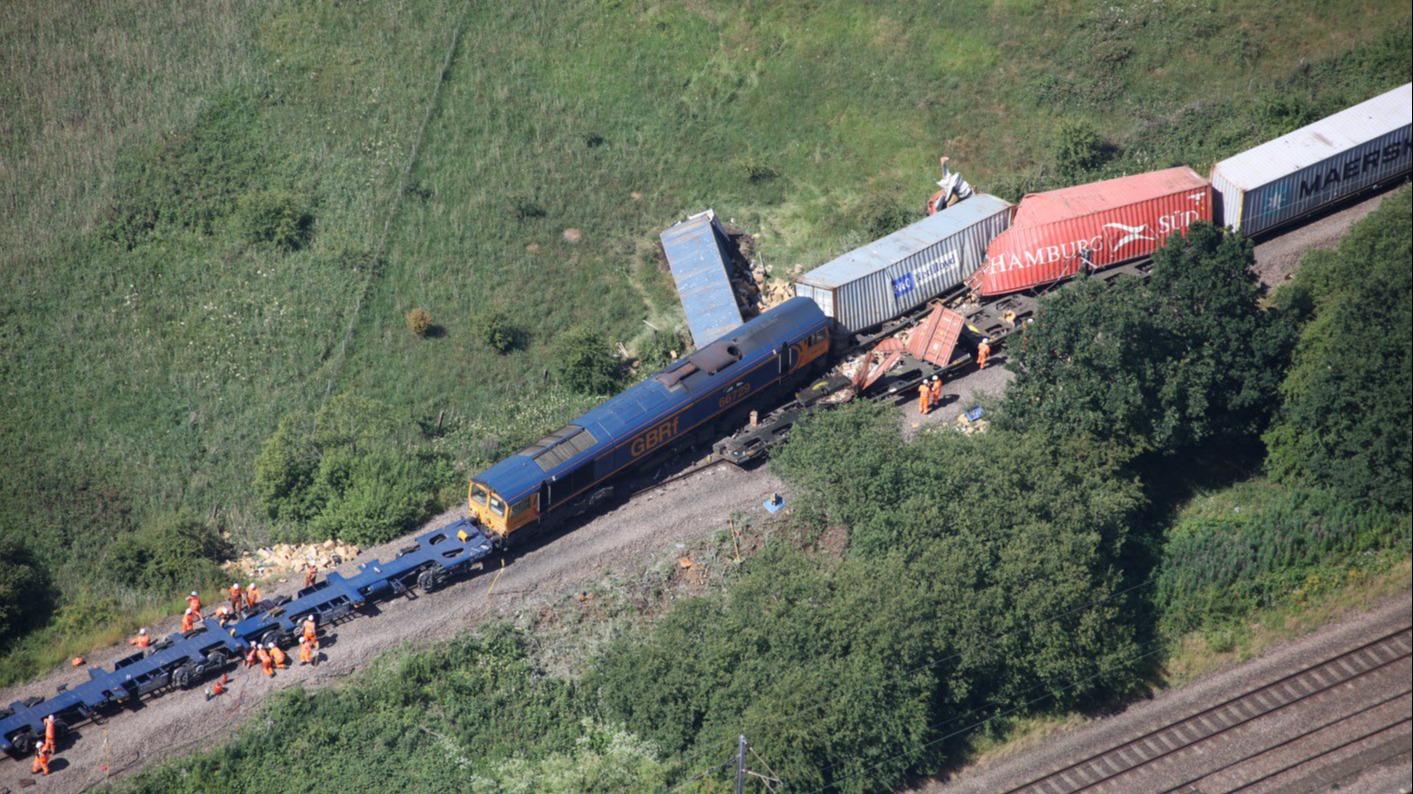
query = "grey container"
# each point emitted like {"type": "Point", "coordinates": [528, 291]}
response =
{"type": "Point", "coordinates": [1286, 179]}
{"type": "Point", "coordinates": [895, 274]}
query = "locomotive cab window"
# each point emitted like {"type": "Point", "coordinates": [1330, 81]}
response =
{"type": "Point", "coordinates": [818, 336]}
{"type": "Point", "coordinates": [478, 493]}
{"type": "Point", "coordinates": [497, 506]}
{"type": "Point", "coordinates": [521, 506]}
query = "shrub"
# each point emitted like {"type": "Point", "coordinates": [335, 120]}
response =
{"type": "Point", "coordinates": [418, 321]}
{"type": "Point", "coordinates": [880, 214]}
{"type": "Point", "coordinates": [173, 551]}
{"type": "Point", "coordinates": [494, 328]}
{"type": "Point", "coordinates": [26, 592]}
{"type": "Point", "coordinates": [274, 217]}
{"type": "Point", "coordinates": [657, 350]}
{"type": "Point", "coordinates": [585, 363]}
{"type": "Point", "coordinates": [1079, 150]}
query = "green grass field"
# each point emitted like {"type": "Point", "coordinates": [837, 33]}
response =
{"type": "Point", "coordinates": [149, 345]}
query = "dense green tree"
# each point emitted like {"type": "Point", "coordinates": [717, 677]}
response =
{"type": "Point", "coordinates": [26, 591]}
{"type": "Point", "coordinates": [1164, 366]}
{"type": "Point", "coordinates": [1344, 420]}
{"type": "Point", "coordinates": [175, 550]}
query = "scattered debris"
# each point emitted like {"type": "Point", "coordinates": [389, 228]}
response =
{"type": "Point", "coordinates": [284, 558]}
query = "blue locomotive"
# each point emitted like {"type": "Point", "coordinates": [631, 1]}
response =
{"type": "Point", "coordinates": [571, 465]}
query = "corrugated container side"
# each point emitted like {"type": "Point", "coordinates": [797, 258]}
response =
{"type": "Point", "coordinates": [696, 255]}
{"type": "Point", "coordinates": [867, 293]}
{"type": "Point", "coordinates": [1317, 186]}
{"type": "Point", "coordinates": [1032, 256]}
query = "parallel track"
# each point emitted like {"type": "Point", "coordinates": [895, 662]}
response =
{"type": "Point", "coordinates": [1113, 764]}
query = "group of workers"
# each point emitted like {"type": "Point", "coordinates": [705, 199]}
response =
{"type": "Point", "coordinates": [929, 392]}
{"type": "Point", "coordinates": [44, 753]}
{"type": "Point", "coordinates": [271, 657]}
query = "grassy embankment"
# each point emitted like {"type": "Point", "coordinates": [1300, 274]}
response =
{"type": "Point", "coordinates": [142, 373]}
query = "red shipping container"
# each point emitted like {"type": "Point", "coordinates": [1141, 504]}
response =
{"type": "Point", "coordinates": [1104, 223]}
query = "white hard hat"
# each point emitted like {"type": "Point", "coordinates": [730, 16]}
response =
{"type": "Point", "coordinates": [252, 584]}
{"type": "Point", "coordinates": [235, 586]}
{"type": "Point", "coordinates": [193, 592]}
{"type": "Point", "coordinates": [144, 631]}
{"type": "Point", "coordinates": [188, 610]}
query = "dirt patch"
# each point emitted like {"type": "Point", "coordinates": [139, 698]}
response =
{"type": "Point", "coordinates": [1277, 259]}
{"type": "Point", "coordinates": [572, 235]}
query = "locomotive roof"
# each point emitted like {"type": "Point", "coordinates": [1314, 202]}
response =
{"type": "Point", "coordinates": [637, 407]}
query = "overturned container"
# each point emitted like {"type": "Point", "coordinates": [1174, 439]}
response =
{"type": "Point", "coordinates": [895, 274]}
{"type": "Point", "coordinates": [1295, 175]}
{"type": "Point", "coordinates": [1056, 235]}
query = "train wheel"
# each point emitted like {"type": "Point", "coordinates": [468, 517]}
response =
{"type": "Point", "coordinates": [24, 742]}
{"type": "Point", "coordinates": [183, 677]}
{"type": "Point", "coordinates": [431, 579]}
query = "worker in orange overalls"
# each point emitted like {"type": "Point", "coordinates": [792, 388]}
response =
{"type": "Point", "coordinates": [219, 688]}
{"type": "Point", "coordinates": [189, 619]}
{"type": "Point", "coordinates": [251, 657]}
{"type": "Point", "coordinates": [307, 652]}
{"type": "Point", "coordinates": [311, 630]}
{"type": "Point", "coordinates": [267, 663]}
{"type": "Point", "coordinates": [223, 615]}
{"type": "Point", "coordinates": [936, 395]}
{"type": "Point", "coordinates": [278, 655]}
{"type": "Point", "coordinates": [983, 351]}
{"type": "Point", "coordinates": [311, 574]}
{"type": "Point", "coordinates": [51, 732]}
{"type": "Point", "coordinates": [924, 399]}
{"type": "Point", "coordinates": [142, 640]}
{"type": "Point", "coordinates": [194, 601]}
{"type": "Point", "coordinates": [252, 596]}
{"type": "Point", "coordinates": [237, 598]}
{"type": "Point", "coordinates": [41, 760]}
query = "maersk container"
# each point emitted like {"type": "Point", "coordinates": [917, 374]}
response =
{"type": "Point", "coordinates": [1297, 174]}
{"type": "Point", "coordinates": [1057, 234]}
{"type": "Point", "coordinates": [909, 267]}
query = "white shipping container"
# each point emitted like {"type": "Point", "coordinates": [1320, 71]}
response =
{"type": "Point", "coordinates": [904, 270]}
{"type": "Point", "coordinates": [1300, 173]}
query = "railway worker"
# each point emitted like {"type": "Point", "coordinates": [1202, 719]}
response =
{"type": "Point", "coordinates": [924, 399]}
{"type": "Point", "coordinates": [189, 620]}
{"type": "Point", "coordinates": [279, 657]}
{"type": "Point", "coordinates": [983, 351]}
{"type": "Point", "coordinates": [252, 596]}
{"type": "Point", "coordinates": [311, 574]}
{"type": "Point", "coordinates": [311, 631]}
{"type": "Point", "coordinates": [307, 652]}
{"type": "Point", "coordinates": [267, 662]}
{"type": "Point", "coordinates": [194, 601]}
{"type": "Point", "coordinates": [42, 754]}
{"type": "Point", "coordinates": [223, 615]}
{"type": "Point", "coordinates": [219, 687]}
{"type": "Point", "coordinates": [51, 732]}
{"type": "Point", "coordinates": [936, 396]}
{"type": "Point", "coordinates": [142, 640]}
{"type": "Point", "coordinates": [237, 597]}
{"type": "Point", "coordinates": [252, 656]}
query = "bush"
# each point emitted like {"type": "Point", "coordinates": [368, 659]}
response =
{"type": "Point", "coordinates": [660, 349]}
{"type": "Point", "coordinates": [1079, 151]}
{"type": "Point", "coordinates": [585, 363]}
{"type": "Point", "coordinates": [175, 551]}
{"type": "Point", "coordinates": [350, 471]}
{"type": "Point", "coordinates": [881, 214]}
{"type": "Point", "coordinates": [419, 321]}
{"type": "Point", "coordinates": [494, 328]}
{"type": "Point", "coordinates": [274, 217]}
{"type": "Point", "coordinates": [26, 591]}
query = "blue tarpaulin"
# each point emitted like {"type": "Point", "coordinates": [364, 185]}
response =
{"type": "Point", "coordinates": [696, 253]}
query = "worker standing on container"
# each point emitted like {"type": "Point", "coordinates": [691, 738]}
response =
{"type": "Point", "coordinates": [142, 640]}
{"type": "Point", "coordinates": [936, 395]}
{"type": "Point", "coordinates": [311, 574]}
{"type": "Point", "coordinates": [41, 760]}
{"type": "Point", "coordinates": [267, 663]}
{"type": "Point", "coordinates": [252, 596]}
{"type": "Point", "coordinates": [188, 620]}
{"type": "Point", "coordinates": [237, 597]}
{"type": "Point", "coordinates": [983, 351]}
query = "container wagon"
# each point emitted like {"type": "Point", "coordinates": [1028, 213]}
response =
{"type": "Point", "coordinates": [1056, 235]}
{"type": "Point", "coordinates": [898, 273]}
{"type": "Point", "coordinates": [1295, 175]}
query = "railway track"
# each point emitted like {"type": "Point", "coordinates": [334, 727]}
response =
{"type": "Point", "coordinates": [1210, 751]}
